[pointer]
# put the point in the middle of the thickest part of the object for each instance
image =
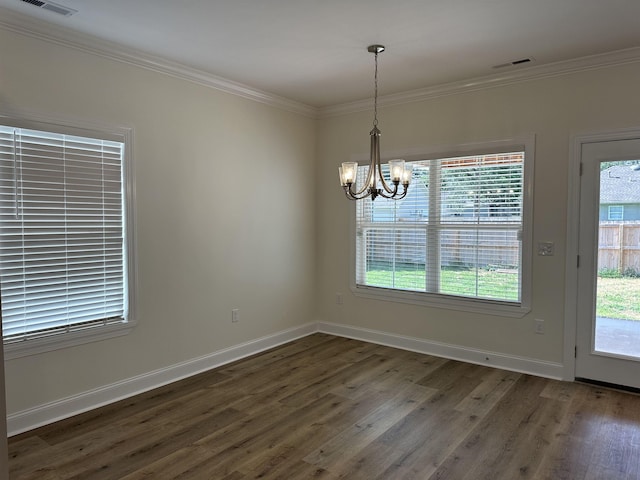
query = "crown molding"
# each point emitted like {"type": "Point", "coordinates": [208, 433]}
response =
{"type": "Point", "coordinates": [35, 28]}
{"type": "Point", "coordinates": [568, 67]}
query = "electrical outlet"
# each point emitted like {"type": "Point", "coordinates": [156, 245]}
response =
{"type": "Point", "coordinates": [539, 326]}
{"type": "Point", "coordinates": [339, 299]}
{"type": "Point", "coordinates": [235, 315]}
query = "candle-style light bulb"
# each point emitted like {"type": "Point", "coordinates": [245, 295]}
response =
{"type": "Point", "coordinates": [348, 173]}
{"type": "Point", "coordinates": [407, 174]}
{"type": "Point", "coordinates": [396, 169]}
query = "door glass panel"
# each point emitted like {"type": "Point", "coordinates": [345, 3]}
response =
{"type": "Point", "coordinates": [617, 329]}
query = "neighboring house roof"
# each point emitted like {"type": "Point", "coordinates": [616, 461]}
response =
{"type": "Point", "coordinates": [620, 184]}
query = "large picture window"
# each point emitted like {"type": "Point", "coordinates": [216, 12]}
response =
{"type": "Point", "coordinates": [63, 236]}
{"type": "Point", "coordinates": [456, 238]}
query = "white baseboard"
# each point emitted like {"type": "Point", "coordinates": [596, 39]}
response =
{"type": "Point", "coordinates": [455, 352]}
{"type": "Point", "coordinates": [85, 401]}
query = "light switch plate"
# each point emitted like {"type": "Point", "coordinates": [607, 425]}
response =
{"type": "Point", "coordinates": [546, 249]}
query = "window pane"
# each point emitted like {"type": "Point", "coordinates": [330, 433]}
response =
{"type": "Point", "coordinates": [616, 212]}
{"type": "Point", "coordinates": [61, 232]}
{"type": "Point", "coordinates": [484, 187]}
{"type": "Point", "coordinates": [483, 264]}
{"type": "Point", "coordinates": [396, 258]}
{"type": "Point", "coordinates": [457, 232]}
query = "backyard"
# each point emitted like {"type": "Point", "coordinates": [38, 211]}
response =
{"type": "Point", "coordinates": [485, 283]}
{"type": "Point", "coordinates": [618, 296]}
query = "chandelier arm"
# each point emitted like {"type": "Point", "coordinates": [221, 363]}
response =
{"type": "Point", "coordinates": [371, 179]}
{"type": "Point", "coordinates": [365, 186]}
{"type": "Point", "coordinates": [385, 185]}
{"type": "Point", "coordinates": [355, 196]}
{"type": "Point", "coordinates": [375, 157]}
{"type": "Point", "coordinates": [391, 192]}
{"type": "Point", "coordinates": [394, 196]}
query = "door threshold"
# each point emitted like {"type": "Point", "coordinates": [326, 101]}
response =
{"type": "Point", "coordinates": [612, 386]}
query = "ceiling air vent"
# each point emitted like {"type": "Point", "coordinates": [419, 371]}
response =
{"type": "Point", "coordinates": [508, 64]}
{"type": "Point", "coordinates": [52, 7]}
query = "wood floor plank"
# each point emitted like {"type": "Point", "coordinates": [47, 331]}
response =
{"type": "Point", "coordinates": [319, 387]}
{"type": "Point", "coordinates": [428, 435]}
{"type": "Point", "coordinates": [393, 371]}
{"type": "Point", "coordinates": [292, 380]}
{"type": "Point", "coordinates": [536, 431]}
{"type": "Point", "coordinates": [56, 457]}
{"type": "Point", "coordinates": [557, 390]}
{"type": "Point", "coordinates": [483, 398]}
{"type": "Point", "coordinates": [286, 465]}
{"type": "Point", "coordinates": [618, 455]}
{"type": "Point", "coordinates": [332, 455]}
{"type": "Point", "coordinates": [186, 463]}
{"type": "Point", "coordinates": [65, 429]}
{"type": "Point", "coordinates": [334, 408]}
{"type": "Point", "coordinates": [123, 458]}
{"type": "Point", "coordinates": [366, 464]}
{"type": "Point", "coordinates": [287, 434]}
{"type": "Point", "coordinates": [25, 445]}
{"type": "Point", "coordinates": [315, 352]}
{"type": "Point", "coordinates": [99, 449]}
{"type": "Point", "coordinates": [571, 450]}
{"type": "Point", "coordinates": [488, 443]}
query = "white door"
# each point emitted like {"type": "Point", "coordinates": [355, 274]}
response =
{"type": "Point", "coordinates": [608, 323]}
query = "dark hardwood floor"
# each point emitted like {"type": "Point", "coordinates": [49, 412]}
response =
{"type": "Point", "coordinates": [327, 407]}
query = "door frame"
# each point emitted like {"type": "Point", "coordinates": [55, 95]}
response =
{"type": "Point", "coordinates": [573, 224]}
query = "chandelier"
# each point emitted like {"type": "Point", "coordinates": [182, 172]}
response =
{"type": "Point", "coordinates": [375, 183]}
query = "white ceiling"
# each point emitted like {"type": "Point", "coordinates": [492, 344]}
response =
{"type": "Point", "coordinates": [314, 51]}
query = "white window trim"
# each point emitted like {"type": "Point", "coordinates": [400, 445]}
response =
{"type": "Point", "coordinates": [621, 213]}
{"type": "Point", "coordinates": [505, 309]}
{"type": "Point", "coordinates": [95, 130]}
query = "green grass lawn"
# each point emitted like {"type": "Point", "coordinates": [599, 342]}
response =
{"type": "Point", "coordinates": [617, 297]}
{"type": "Point", "coordinates": [498, 284]}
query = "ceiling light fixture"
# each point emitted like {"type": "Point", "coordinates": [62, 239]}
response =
{"type": "Point", "coordinates": [375, 184]}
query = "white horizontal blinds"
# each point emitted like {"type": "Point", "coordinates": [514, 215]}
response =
{"type": "Point", "coordinates": [61, 232]}
{"type": "Point", "coordinates": [480, 224]}
{"type": "Point", "coordinates": [392, 237]}
{"type": "Point", "coordinates": [456, 233]}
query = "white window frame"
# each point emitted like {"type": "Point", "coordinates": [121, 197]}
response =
{"type": "Point", "coordinates": [619, 213]}
{"type": "Point", "coordinates": [524, 143]}
{"type": "Point", "coordinates": [102, 332]}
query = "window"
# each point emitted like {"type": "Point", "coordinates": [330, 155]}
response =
{"type": "Point", "coordinates": [616, 212]}
{"type": "Point", "coordinates": [455, 240]}
{"type": "Point", "coordinates": [65, 256]}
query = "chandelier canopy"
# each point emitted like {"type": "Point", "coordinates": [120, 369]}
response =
{"type": "Point", "coordinates": [375, 184]}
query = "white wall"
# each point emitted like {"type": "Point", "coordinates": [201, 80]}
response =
{"type": "Point", "coordinates": [279, 252]}
{"type": "Point", "coordinates": [224, 214]}
{"type": "Point", "coordinates": [553, 109]}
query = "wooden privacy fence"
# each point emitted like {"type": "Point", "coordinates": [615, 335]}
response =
{"type": "Point", "coordinates": [457, 247]}
{"type": "Point", "coordinates": [619, 247]}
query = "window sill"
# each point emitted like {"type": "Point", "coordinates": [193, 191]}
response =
{"type": "Point", "coordinates": [480, 306]}
{"type": "Point", "coordinates": [64, 340]}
